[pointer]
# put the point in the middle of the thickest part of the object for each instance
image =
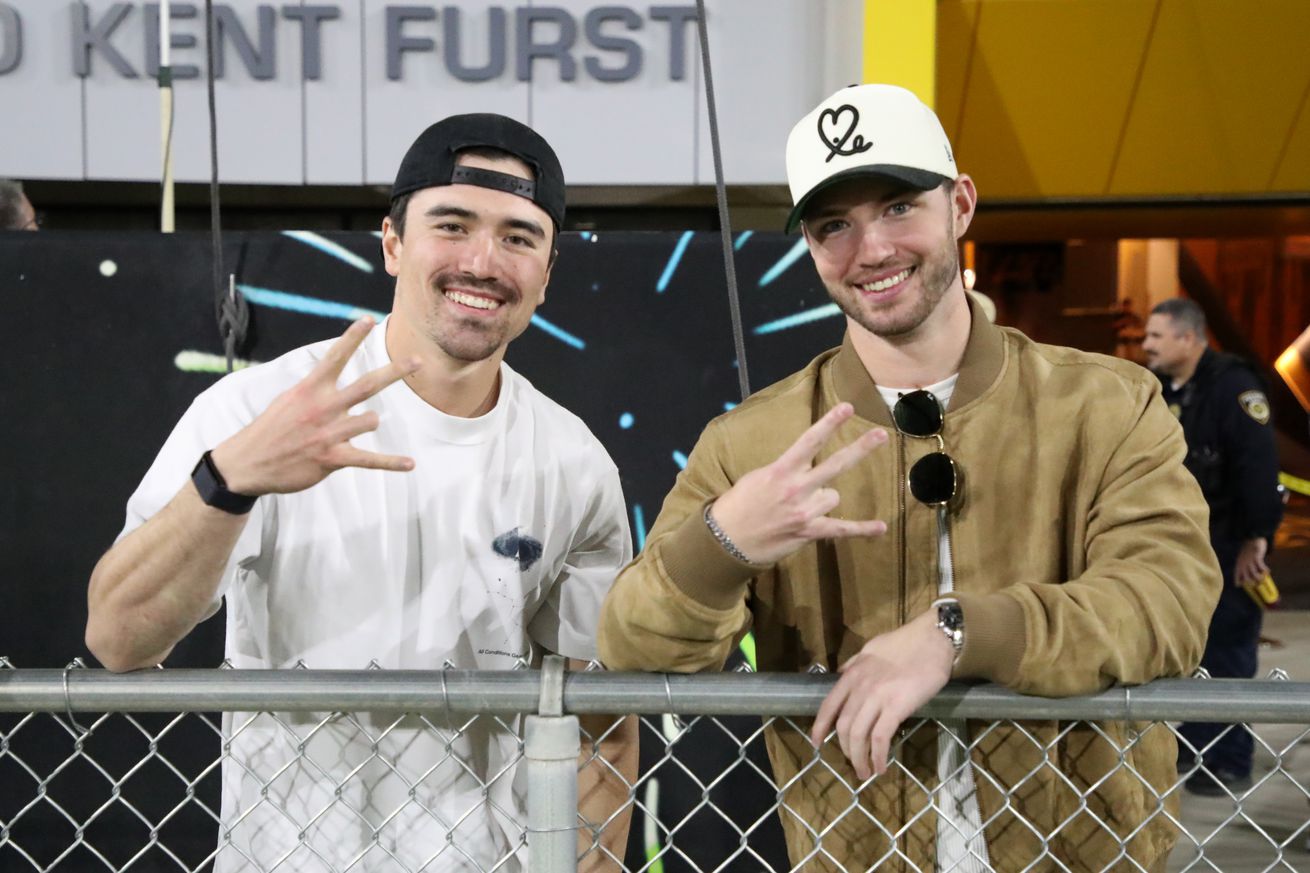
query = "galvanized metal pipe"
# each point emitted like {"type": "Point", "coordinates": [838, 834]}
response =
{"type": "Point", "coordinates": [506, 692]}
{"type": "Point", "coordinates": [551, 745]}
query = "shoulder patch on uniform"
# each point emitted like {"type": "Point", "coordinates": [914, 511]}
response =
{"type": "Point", "coordinates": [1255, 404]}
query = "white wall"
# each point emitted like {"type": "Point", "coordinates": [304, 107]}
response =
{"type": "Point", "coordinates": [772, 61]}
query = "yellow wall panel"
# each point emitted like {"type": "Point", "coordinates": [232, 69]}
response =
{"type": "Point", "coordinates": [1219, 92]}
{"type": "Point", "coordinates": [1045, 92]}
{"type": "Point", "coordinates": [900, 44]}
{"type": "Point", "coordinates": [1292, 172]}
{"type": "Point", "coordinates": [955, 45]}
{"type": "Point", "coordinates": [1093, 98]}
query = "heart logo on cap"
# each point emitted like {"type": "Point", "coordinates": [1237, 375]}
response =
{"type": "Point", "coordinates": [830, 131]}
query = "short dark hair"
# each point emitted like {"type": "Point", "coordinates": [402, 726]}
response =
{"type": "Point", "coordinates": [1186, 314]}
{"type": "Point", "coordinates": [11, 205]}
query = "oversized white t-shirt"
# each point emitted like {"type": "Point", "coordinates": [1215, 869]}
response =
{"type": "Point", "coordinates": [501, 543]}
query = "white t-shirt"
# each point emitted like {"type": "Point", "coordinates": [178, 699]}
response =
{"type": "Point", "coordinates": [500, 543]}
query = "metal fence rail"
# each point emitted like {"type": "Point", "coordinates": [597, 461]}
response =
{"type": "Point", "coordinates": [477, 692]}
{"type": "Point", "coordinates": [389, 770]}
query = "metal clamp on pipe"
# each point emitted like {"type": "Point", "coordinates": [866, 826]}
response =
{"type": "Point", "coordinates": [551, 702]}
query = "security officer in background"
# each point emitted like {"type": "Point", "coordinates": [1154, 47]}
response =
{"type": "Point", "coordinates": [1222, 405]}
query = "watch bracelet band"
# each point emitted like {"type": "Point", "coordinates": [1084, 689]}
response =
{"type": "Point", "coordinates": [213, 488]}
{"type": "Point", "coordinates": [724, 540]}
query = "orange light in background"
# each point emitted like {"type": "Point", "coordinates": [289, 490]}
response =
{"type": "Point", "coordinates": [1296, 248]}
{"type": "Point", "coordinates": [1294, 366]}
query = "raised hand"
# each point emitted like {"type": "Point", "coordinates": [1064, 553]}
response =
{"type": "Point", "coordinates": [892, 676]}
{"type": "Point", "coordinates": [305, 433]}
{"type": "Point", "coordinates": [774, 510]}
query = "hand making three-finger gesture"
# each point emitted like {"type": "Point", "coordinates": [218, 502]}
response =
{"type": "Point", "coordinates": [305, 433]}
{"type": "Point", "coordinates": [774, 510]}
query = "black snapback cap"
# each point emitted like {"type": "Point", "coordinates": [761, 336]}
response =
{"type": "Point", "coordinates": [430, 161]}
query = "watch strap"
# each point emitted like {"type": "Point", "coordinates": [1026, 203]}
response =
{"type": "Point", "coordinates": [213, 488]}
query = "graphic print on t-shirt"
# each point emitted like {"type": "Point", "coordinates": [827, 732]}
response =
{"type": "Point", "coordinates": [518, 546]}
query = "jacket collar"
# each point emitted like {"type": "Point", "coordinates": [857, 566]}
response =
{"type": "Point", "coordinates": [1205, 367]}
{"type": "Point", "coordinates": [983, 356]}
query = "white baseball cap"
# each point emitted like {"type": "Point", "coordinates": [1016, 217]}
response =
{"type": "Point", "coordinates": [866, 130]}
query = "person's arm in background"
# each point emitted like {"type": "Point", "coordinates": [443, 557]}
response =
{"type": "Point", "coordinates": [1251, 469]}
{"type": "Point", "coordinates": [156, 583]}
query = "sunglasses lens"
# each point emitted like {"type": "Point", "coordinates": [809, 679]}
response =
{"type": "Point", "coordinates": [932, 479]}
{"type": "Point", "coordinates": [918, 414]}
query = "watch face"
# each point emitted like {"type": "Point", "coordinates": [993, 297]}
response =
{"type": "Point", "coordinates": [213, 491]}
{"type": "Point", "coordinates": [950, 616]}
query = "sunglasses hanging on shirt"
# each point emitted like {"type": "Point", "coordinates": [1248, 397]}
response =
{"type": "Point", "coordinates": [932, 478]}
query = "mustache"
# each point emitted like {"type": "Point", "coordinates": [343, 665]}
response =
{"type": "Point", "coordinates": [504, 292]}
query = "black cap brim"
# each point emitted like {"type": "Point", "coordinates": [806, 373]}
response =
{"type": "Point", "coordinates": [922, 180]}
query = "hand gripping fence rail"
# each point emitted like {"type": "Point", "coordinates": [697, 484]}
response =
{"type": "Point", "coordinates": [455, 770]}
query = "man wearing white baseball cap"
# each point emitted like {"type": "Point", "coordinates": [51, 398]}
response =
{"type": "Point", "coordinates": [1030, 524]}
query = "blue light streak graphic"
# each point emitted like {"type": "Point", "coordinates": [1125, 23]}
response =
{"type": "Point", "coordinates": [680, 459]}
{"type": "Point", "coordinates": [828, 310]}
{"type": "Point", "coordinates": [307, 305]}
{"type": "Point", "coordinates": [328, 247]}
{"type": "Point", "coordinates": [585, 234]}
{"type": "Point", "coordinates": [672, 265]}
{"type": "Point", "coordinates": [741, 239]}
{"type": "Point", "coordinates": [558, 333]}
{"type": "Point", "coordinates": [784, 262]}
{"type": "Point", "coordinates": [331, 309]}
{"type": "Point", "coordinates": [729, 406]}
{"type": "Point", "coordinates": [639, 526]}
{"type": "Point", "coordinates": [626, 420]}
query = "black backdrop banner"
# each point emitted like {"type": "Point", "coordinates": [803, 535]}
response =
{"type": "Point", "coordinates": [110, 336]}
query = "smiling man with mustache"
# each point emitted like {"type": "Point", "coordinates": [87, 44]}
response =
{"type": "Point", "coordinates": [398, 496]}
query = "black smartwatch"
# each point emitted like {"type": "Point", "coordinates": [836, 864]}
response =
{"type": "Point", "coordinates": [213, 490]}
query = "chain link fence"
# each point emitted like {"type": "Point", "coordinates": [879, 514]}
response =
{"type": "Point", "coordinates": [475, 771]}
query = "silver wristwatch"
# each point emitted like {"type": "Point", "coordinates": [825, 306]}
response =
{"type": "Point", "coordinates": [950, 621]}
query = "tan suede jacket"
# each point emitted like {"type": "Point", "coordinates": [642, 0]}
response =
{"type": "Point", "coordinates": [1081, 560]}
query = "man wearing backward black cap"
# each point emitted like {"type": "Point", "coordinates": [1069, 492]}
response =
{"type": "Point", "coordinates": [398, 496]}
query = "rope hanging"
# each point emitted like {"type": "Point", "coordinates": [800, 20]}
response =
{"type": "Point", "coordinates": [230, 308]}
{"type": "Point", "coordinates": [721, 195]}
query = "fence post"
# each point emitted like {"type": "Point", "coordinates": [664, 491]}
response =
{"type": "Point", "coordinates": [552, 744]}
